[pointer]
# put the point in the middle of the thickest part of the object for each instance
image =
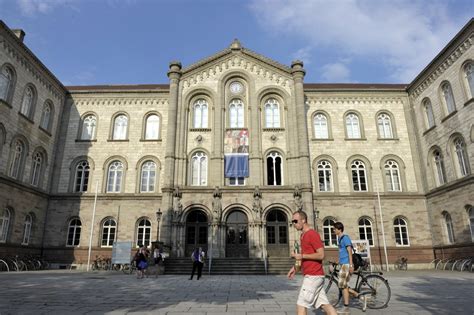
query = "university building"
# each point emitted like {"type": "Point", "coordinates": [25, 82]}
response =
{"type": "Point", "coordinates": [223, 154]}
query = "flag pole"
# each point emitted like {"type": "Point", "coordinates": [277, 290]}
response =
{"type": "Point", "coordinates": [92, 225]}
{"type": "Point", "coordinates": [383, 231]}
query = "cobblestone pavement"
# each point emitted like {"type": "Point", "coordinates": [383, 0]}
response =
{"type": "Point", "coordinates": [74, 292]}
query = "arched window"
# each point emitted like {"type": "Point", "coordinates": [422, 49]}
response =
{"type": "Point", "coordinates": [353, 126]}
{"type": "Point", "coordinates": [325, 179]}
{"type": "Point", "coordinates": [359, 176]}
{"type": "Point", "coordinates": [148, 177]}
{"type": "Point", "coordinates": [4, 225]}
{"type": "Point", "coordinates": [470, 214]}
{"type": "Point", "coordinates": [469, 76]}
{"type": "Point", "coordinates": [17, 159]}
{"type": "Point", "coordinates": [461, 154]}
{"type": "Point", "coordinates": [89, 125]}
{"type": "Point", "coordinates": [143, 233]}
{"type": "Point", "coordinates": [152, 129]}
{"type": "Point", "coordinates": [46, 116]}
{"type": "Point", "coordinates": [448, 224]}
{"type": "Point", "coordinates": [81, 180]}
{"type": "Point", "coordinates": [448, 97]}
{"type": "Point", "coordinates": [429, 116]}
{"type": "Point", "coordinates": [199, 169]}
{"type": "Point", "coordinates": [274, 169]}
{"type": "Point", "coordinates": [392, 176]}
{"type": "Point", "coordinates": [115, 177]}
{"type": "Point", "coordinates": [400, 228]}
{"type": "Point", "coordinates": [330, 238]}
{"type": "Point", "coordinates": [439, 168]}
{"type": "Point", "coordinates": [120, 128]}
{"type": "Point", "coordinates": [74, 232]}
{"type": "Point", "coordinates": [321, 130]}
{"type": "Point", "coordinates": [201, 109]}
{"type": "Point", "coordinates": [36, 167]}
{"type": "Point", "coordinates": [27, 230]}
{"type": "Point", "coordinates": [27, 102]}
{"type": "Point", "coordinates": [236, 113]}
{"type": "Point", "coordinates": [272, 113]}
{"type": "Point", "coordinates": [109, 228]}
{"type": "Point", "coordinates": [6, 83]}
{"type": "Point", "coordinates": [365, 231]}
{"type": "Point", "coordinates": [385, 126]}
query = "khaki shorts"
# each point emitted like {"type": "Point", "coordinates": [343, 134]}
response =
{"type": "Point", "coordinates": [312, 292]}
{"type": "Point", "coordinates": [344, 276]}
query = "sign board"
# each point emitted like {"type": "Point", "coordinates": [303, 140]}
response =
{"type": "Point", "coordinates": [362, 248]}
{"type": "Point", "coordinates": [121, 252]}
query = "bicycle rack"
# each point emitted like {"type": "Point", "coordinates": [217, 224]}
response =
{"type": "Point", "coordinates": [467, 261]}
{"type": "Point", "coordinates": [434, 262]}
{"type": "Point", "coordinates": [439, 263]}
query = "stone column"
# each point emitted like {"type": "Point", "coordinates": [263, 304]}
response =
{"type": "Point", "coordinates": [255, 148]}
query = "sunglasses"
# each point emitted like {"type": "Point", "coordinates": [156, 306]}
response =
{"type": "Point", "coordinates": [294, 221]}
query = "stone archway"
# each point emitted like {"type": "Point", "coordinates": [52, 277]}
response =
{"type": "Point", "coordinates": [277, 234]}
{"type": "Point", "coordinates": [196, 231]}
{"type": "Point", "coordinates": [237, 243]}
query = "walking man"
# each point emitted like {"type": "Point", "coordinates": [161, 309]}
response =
{"type": "Point", "coordinates": [198, 262]}
{"type": "Point", "coordinates": [312, 292]}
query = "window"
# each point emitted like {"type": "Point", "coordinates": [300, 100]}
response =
{"type": "Point", "coordinates": [401, 232]}
{"type": "Point", "coordinates": [108, 233]}
{"type": "Point", "coordinates": [325, 176]}
{"type": "Point", "coordinates": [439, 168]}
{"type": "Point", "coordinates": [469, 76]}
{"type": "Point", "coordinates": [274, 169]}
{"type": "Point", "coordinates": [321, 126]}
{"type": "Point", "coordinates": [115, 177]}
{"type": "Point", "coordinates": [148, 177]}
{"type": "Point", "coordinates": [152, 129]}
{"type": "Point", "coordinates": [17, 159]}
{"type": "Point", "coordinates": [201, 109]}
{"type": "Point", "coordinates": [4, 225]}
{"type": "Point", "coordinates": [448, 97]}
{"type": "Point", "coordinates": [27, 102]}
{"type": "Point", "coordinates": [272, 114]}
{"type": "Point", "coordinates": [81, 180]}
{"type": "Point", "coordinates": [352, 126]}
{"type": "Point", "coordinates": [199, 169]}
{"type": "Point", "coordinates": [236, 114]}
{"type": "Point", "coordinates": [120, 128]}
{"type": "Point", "coordinates": [74, 232]}
{"type": "Point", "coordinates": [359, 176]}
{"type": "Point", "coordinates": [385, 126]}
{"type": "Point", "coordinates": [392, 176]}
{"type": "Point", "coordinates": [430, 122]}
{"type": "Point", "coordinates": [448, 224]}
{"type": "Point", "coordinates": [89, 125]}
{"type": "Point", "coordinates": [236, 181]}
{"type": "Point", "coordinates": [365, 231]}
{"type": "Point", "coordinates": [27, 230]}
{"type": "Point", "coordinates": [461, 154]}
{"type": "Point", "coordinates": [6, 83]}
{"type": "Point", "coordinates": [46, 116]}
{"type": "Point", "coordinates": [36, 168]}
{"type": "Point", "coordinates": [470, 214]}
{"type": "Point", "coordinates": [143, 233]}
{"type": "Point", "coordinates": [330, 238]}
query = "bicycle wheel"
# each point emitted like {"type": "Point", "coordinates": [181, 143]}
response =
{"type": "Point", "coordinates": [4, 266]}
{"type": "Point", "coordinates": [376, 290]}
{"type": "Point", "coordinates": [332, 290]}
{"type": "Point", "coordinates": [127, 268]}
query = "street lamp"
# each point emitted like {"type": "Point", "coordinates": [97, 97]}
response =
{"type": "Point", "coordinates": [158, 219]}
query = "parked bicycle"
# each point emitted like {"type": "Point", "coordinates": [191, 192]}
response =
{"type": "Point", "coordinates": [101, 263]}
{"type": "Point", "coordinates": [129, 268]}
{"type": "Point", "coordinates": [371, 285]}
{"type": "Point", "coordinates": [401, 263]}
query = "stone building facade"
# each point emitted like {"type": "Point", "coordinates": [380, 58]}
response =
{"type": "Point", "coordinates": [222, 155]}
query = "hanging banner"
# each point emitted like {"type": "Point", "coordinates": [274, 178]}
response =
{"type": "Point", "coordinates": [236, 141]}
{"type": "Point", "coordinates": [236, 165]}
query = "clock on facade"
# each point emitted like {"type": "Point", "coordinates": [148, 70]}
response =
{"type": "Point", "coordinates": [236, 87]}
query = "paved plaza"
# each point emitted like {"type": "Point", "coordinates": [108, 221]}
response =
{"type": "Point", "coordinates": [75, 292]}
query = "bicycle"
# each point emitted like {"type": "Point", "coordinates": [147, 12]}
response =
{"type": "Point", "coordinates": [401, 263]}
{"type": "Point", "coordinates": [371, 285]}
{"type": "Point", "coordinates": [129, 268]}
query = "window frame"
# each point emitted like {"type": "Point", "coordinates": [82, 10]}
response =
{"type": "Point", "coordinates": [47, 123]}
{"type": "Point", "coordinates": [115, 135]}
{"type": "Point", "coordinates": [202, 175]}
{"type": "Point", "coordinates": [82, 127]}
{"type": "Point", "coordinates": [468, 85]}
{"type": "Point", "coordinates": [324, 170]}
{"type": "Point", "coordinates": [366, 230]}
{"type": "Point", "coordinates": [353, 168]}
{"type": "Point", "coordinates": [428, 113]}
{"type": "Point", "coordinates": [155, 177]}
{"type": "Point", "coordinates": [328, 225]}
{"type": "Point", "coordinates": [200, 102]}
{"type": "Point", "coordinates": [447, 98]}
{"type": "Point", "coordinates": [146, 125]}
{"type": "Point", "coordinates": [399, 227]}
{"type": "Point", "coordinates": [448, 228]}
{"type": "Point", "coordinates": [109, 242]}
{"type": "Point", "coordinates": [28, 110]}
{"type": "Point", "coordinates": [117, 180]}
{"type": "Point", "coordinates": [17, 162]}
{"type": "Point", "coordinates": [275, 113]}
{"type": "Point", "coordinates": [6, 219]}
{"type": "Point", "coordinates": [83, 178]}
{"type": "Point", "coordinates": [328, 134]}
{"type": "Point", "coordinates": [240, 121]}
{"type": "Point", "coordinates": [360, 126]}
{"type": "Point", "coordinates": [460, 156]}
{"type": "Point", "coordinates": [75, 235]}
{"type": "Point", "coordinates": [382, 129]}
{"type": "Point", "coordinates": [143, 230]}
{"type": "Point", "coordinates": [27, 226]}
{"type": "Point", "coordinates": [274, 155]}
{"type": "Point", "coordinates": [10, 90]}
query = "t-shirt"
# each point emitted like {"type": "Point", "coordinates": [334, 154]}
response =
{"type": "Point", "coordinates": [310, 242]}
{"type": "Point", "coordinates": [344, 241]}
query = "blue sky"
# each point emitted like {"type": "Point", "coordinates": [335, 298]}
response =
{"type": "Point", "coordinates": [87, 42]}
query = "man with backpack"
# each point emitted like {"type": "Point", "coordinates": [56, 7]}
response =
{"type": "Point", "coordinates": [346, 265]}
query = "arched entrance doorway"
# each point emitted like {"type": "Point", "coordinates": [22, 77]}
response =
{"type": "Point", "coordinates": [196, 231]}
{"type": "Point", "coordinates": [237, 235]}
{"type": "Point", "coordinates": [277, 234]}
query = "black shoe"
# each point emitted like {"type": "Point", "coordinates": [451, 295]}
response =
{"type": "Point", "coordinates": [190, 278]}
{"type": "Point", "coordinates": [198, 278]}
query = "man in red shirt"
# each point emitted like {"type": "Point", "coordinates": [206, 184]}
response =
{"type": "Point", "coordinates": [312, 292]}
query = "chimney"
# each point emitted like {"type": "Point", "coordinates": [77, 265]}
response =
{"type": "Point", "coordinates": [20, 34]}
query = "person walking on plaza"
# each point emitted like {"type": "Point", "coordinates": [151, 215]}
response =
{"type": "Point", "coordinates": [312, 292]}
{"type": "Point", "coordinates": [346, 265]}
{"type": "Point", "coordinates": [198, 262]}
{"type": "Point", "coordinates": [141, 258]}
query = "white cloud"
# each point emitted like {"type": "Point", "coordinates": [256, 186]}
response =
{"type": "Point", "coordinates": [402, 35]}
{"type": "Point", "coordinates": [33, 7]}
{"type": "Point", "coordinates": [303, 54]}
{"type": "Point", "coordinates": [335, 72]}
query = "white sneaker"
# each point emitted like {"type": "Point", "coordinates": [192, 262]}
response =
{"type": "Point", "coordinates": [343, 310]}
{"type": "Point", "coordinates": [363, 300]}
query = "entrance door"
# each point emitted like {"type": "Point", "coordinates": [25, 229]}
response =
{"type": "Point", "coordinates": [237, 235]}
{"type": "Point", "coordinates": [196, 232]}
{"type": "Point", "coordinates": [277, 234]}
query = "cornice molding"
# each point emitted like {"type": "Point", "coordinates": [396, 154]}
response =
{"type": "Point", "coordinates": [113, 101]}
{"type": "Point", "coordinates": [353, 100]}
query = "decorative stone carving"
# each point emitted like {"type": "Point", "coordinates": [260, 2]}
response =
{"type": "Point", "coordinates": [177, 205]}
{"type": "Point", "coordinates": [298, 199]}
{"type": "Point", "coordinates": [217, 204]}
{"type": "Point", "coordinates": [257, 202]}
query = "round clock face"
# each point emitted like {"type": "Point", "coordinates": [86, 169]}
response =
{"type": "Point", "coordinates": [236, 87]}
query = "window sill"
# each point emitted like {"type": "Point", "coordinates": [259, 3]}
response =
{"type": "Point", "coordinates": [322, 139]}
{"type": "Point", "coordinates": [148, 140]}
{"type": "Point", "coordinates": [449, 116]}
{"type": "Point", "coordinates": [355, 139]}
{"type": "Point", "coordinates": [388, 139]}
{"type": "Point", "coordinates": [45, 131]}
{"type": "Point", "coordinates": [469, 102]}
{"type": "Point", "coordinates": [273, 129]}
{"type": "Point", "coordinates": [5, 103]}
{"type": "Point", "coordinates": [26, 118]}
{"type": "Point", "coordinates": [236, 129]}
{"type": "Point", "coordinates": [429, 129]}
{"type": "Point", "coordinates": [200, 129]}
{"type": "Point", "coordinates": [117, 140]}
{"type": "Point", "coordinates": [83, 140]}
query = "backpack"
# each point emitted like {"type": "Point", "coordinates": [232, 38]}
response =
{"type": "Point", "coordinates": [357, 259]}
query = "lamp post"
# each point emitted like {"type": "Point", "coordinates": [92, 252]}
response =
{"type": "Point", "coordinates": [158, 219]}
